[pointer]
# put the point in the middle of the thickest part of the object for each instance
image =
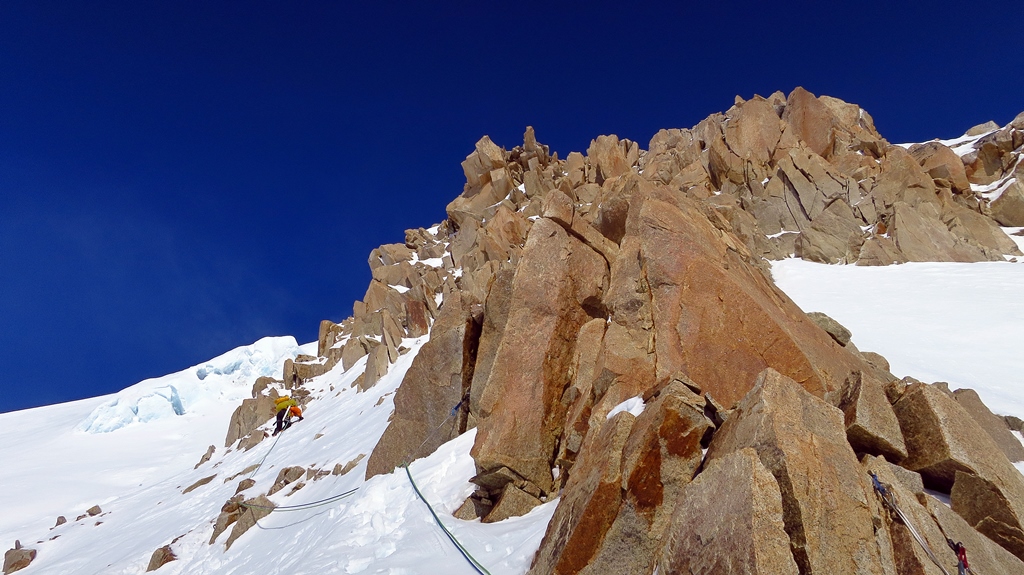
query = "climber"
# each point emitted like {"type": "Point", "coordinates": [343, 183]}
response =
{"type": "Point", "coordinates": [285, 405]}
{"type": "Point", "coordinates": [962, 568]}
{"type": "Point", "coordinates": [883, 492]}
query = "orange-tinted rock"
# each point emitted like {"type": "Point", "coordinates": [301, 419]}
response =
{"type": "Point", "coordinates": [941, 163]}
{"type": "Point", "coordinates": [660, 457]}
{"type": "Point", "coordinates": [801, 440]}
{"type": "Point", "coordinates": [754, 131]}
{"type": "Point", "coordinates": [588, 505]}
{"type": "Point", "coordinates": [810, 120]}
{"type": "Point", "coordinates": [718, 319]}
{"type": "Point", "coordinates": [729, 520]}
{"type": "Point", "coordinates": [520, 413]}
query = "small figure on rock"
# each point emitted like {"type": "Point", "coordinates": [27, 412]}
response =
{"type": "Point", "coordinates": [285, 406]}
{"type": "Point", "coordinates": [962, 568]}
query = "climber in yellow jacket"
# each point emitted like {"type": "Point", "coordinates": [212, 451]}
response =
{"type": "Point", "coordinates": [285, 405]}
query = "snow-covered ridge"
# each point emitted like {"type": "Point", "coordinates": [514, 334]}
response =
{"type": "Point", "coordinates": [227, 377]}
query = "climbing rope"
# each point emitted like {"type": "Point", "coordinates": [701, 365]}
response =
{"type": "Point", "coordinates": [466, 554]}
{"type": "Point", "coordinates": [889, 499]}
{"type": "Point", "coordinates": [260, 464]}
{"type": "Point", "coordinates": [303, 506]}
{"type": "Point", "coordinates": [473, 562]}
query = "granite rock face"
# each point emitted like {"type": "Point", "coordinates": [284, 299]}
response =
{"type": "Point", "coordinates": [558, 290]}
{"type": "Point", "coordinates": [801, 440]}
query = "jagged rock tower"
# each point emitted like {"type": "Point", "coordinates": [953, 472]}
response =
{"type": "Point", "coordinates": [558, 289]}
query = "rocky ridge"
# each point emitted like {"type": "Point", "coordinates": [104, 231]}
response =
{"type": "Point", "coordinates": [557, 289]}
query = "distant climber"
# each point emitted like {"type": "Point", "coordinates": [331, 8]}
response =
{"type": "Point", "coordinates": [961, 556]}
{"type": "Point", "coordinates": [285, 406]}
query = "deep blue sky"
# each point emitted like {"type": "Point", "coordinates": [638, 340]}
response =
{"type": "Point", "coordinates": [181, 178]}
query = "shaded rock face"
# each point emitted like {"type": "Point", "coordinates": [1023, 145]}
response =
{"type": "Point", "coordinates": [801, 440]}
{"type": "Point", "coordinates": [730, 521]}
{"type": "Point", "coordinates": [434, 384]}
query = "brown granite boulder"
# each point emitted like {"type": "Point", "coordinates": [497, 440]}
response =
{"type": "Point", "coordinates": [161, 557]}
{"type": "Point", "coordinates": [942, 164]}
{"type": "Point", "coordinates": [18, 559]}
{"type": "Point", "coordinates": [993, 425]}
{"type": "Point", "coordinates": [801, 440]}
{"type": "Point", "coordinates": [520, 415]}
{"type": "Point", "coordinates": [922, 236]}
{"type": "Point", "coordinates": [871, 425]}
{"type": "Point", "coordinates": [285, 477]}
{"type": "Point", "coordinates": [754, 130]}
{"type": "Point", "coordinates": [951, 451]}
{"type": "Point", "coordinates": [729, 520]}
{"type": "Point", "coordinates": [1008, 208]}
{"type": "Point", "coordinates": [832, 327]}
{"type": "Point", "coordinates": [716, 317]}
{"type": "Point", "coordinates": [810, 120]}
{"type": "Point", "coordinates": [252, 511]}
{"type": "Point", "coordinates": [251, 414]}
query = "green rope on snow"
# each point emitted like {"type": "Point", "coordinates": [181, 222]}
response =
{"type": "Point", "coordinates": [472, 560]}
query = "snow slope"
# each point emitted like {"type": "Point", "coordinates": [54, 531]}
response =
{"type": "Point", "coordinates": [135, 463]}
{"type": "Point", "coordinates": [962, 323]}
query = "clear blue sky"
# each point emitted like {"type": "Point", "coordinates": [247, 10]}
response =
{"type": "Point", "coordinates": [181, 178]}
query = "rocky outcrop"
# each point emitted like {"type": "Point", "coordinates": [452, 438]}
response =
{"type": "Point", "coordinates": [206, 456]}
{"type": "Point", "coordinates": [871, 425]}
{"type": "Point", "coordinates": [433, 386]}
{"type": "Point", "coordinates": [17, 559]}
{"type": "Point", "coordinates": [588, 505]}
{"type": "Point", "coordinates": [251, 414]}
{"type": "Point", "coordinates": [252, 510]}
{"type": "Point", "coordinates": [801, 440]}
{"type": "Point", "coordinates": [557, 290]}
{"type": "Point", "coordinates": [161, 557]}
{"type": "Point", "coordinates": [285, 477]}
{"type": "Point", "coordinates": [660, 456]}
{"type": "Point", "coordinates": [520, 416]}
{"type": "Point", "coordinates": [833, 328]}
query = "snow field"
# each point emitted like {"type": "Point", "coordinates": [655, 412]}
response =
{"type": "Point", "coordinates": [962, 323]}
{"type": "Point", "coordinates": [137, 473]}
